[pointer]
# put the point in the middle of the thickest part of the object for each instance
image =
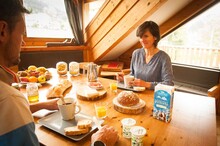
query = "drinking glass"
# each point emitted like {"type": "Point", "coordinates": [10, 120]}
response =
{"type": "Point", "coordinates": [100, 109]}
{"type": "Point", "coordinates": [32, 92]}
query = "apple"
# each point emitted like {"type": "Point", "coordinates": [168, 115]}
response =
{"type": "Point", "coordinates": [22, 73]}
{"type": "Point", "coordinates": [32, 68]}
{"type": "Point", "coordinates": [41, 69]}
{"type": "Point", "coordinates": [41, 79]}
{"type": "Point", "coordinates": [48, 75]}
{"type": "Point", "coordinates": [34, 73]}
{"type": "Point", "coordinates": [24, 79]}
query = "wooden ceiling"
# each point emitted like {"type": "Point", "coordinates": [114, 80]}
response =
{"type": "Point", "coordinates": [117, 21]}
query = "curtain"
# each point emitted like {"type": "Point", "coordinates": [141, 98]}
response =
{"type": "Point", "coordinates": [74, 13]}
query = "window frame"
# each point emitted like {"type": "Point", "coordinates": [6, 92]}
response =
{"type": "Point", "coordinates": [34, 41]}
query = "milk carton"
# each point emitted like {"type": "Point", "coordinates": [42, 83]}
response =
{"type": "Point", "coordinates": [163, 102]}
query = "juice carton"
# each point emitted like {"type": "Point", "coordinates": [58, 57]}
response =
{"type": "Point", "coordinates": [163, 102]}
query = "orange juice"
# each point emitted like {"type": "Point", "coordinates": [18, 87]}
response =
{"type": "Point", "coordinates": [113, 87]}
{"type": "Point", "coordinates": [32, 92]}
{"type": "Point", "coordinates": [34, 98]}
{"type": "Point", "coordinates": [101, 111]}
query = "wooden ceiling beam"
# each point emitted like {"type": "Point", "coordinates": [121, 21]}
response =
{"type": "Point", "coordinates": [184, 15]}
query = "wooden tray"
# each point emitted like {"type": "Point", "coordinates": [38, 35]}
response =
{"type": "Point", "coordinates": [82, 93]}
{"type": "Point", "coordinates": [137, 109]}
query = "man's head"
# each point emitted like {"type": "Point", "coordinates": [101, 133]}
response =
{"type": "Point", "coordinates": [11, 31]}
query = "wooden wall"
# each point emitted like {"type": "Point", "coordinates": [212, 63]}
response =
{"type": "Point", "coordinates": [115, 20]}
{"type": "Point", "coordinates": [49, 59]}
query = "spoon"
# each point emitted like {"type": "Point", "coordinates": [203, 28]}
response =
{"type": "Point", "coordinates": [62, 99]}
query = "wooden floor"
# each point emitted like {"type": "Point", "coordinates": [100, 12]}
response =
{"type": "Point", "coordinates": [218, 130]}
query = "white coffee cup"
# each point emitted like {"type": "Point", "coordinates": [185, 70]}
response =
{"type": "Point", "coordinates": [127, 80]}
{"type": "Point", "coordinates": [68, 109]}
{"type": "Point", "coordinates": [127, 123]}
{"type": "Point", "coordinates": [137, 134]}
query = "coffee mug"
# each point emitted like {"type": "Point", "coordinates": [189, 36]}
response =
{"type": "Point", "coordinates": [68, 109]}
{"type": "Point", "coordinates": [127, 80]}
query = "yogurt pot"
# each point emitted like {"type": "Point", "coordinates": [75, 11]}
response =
{"type": "Point", "coordinates": [137, 135]}
{"type": "Point", "coordinates": [127, 123]}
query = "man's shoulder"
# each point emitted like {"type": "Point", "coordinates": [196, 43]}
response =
{"type": "Point", "coordinates": [24, 135]}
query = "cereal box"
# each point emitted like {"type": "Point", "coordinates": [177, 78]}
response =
{"type": "Point", "coordinates": [163, 102]}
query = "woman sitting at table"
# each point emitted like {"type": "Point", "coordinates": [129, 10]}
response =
{"type": "Point", "coordinates": [149, 65]}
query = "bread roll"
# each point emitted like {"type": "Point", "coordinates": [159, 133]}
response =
{"type": "Point", "coordinates": [128, 98]}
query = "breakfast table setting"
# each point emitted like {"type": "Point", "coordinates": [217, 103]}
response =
{"type": "Point", "coordinates": [193, 119]}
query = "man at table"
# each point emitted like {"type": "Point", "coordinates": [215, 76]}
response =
{"type": "Point", "coordinates": [17, 124]}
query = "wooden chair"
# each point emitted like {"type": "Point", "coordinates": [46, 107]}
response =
{"type": "Point", "coordinates": [215, 92]}
{"type": "Point", "coordinates": [126, 71]}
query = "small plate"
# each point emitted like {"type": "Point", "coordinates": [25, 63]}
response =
{"type": "Point", "coordinates": [136, 89]}
{"type": "Point", "coordinates": [95, 85]}
{"type": "Point", "coordinates": [139, 88]}
{"type": "Point", "coordinates": [57, 124]}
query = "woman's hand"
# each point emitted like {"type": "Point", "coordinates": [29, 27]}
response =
{"type": "Point", "coordinates": [140, 83]}
{"type": "Point", "coordinates": [120, 77]}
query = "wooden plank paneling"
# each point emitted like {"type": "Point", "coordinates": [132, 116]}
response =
{"type": "Point", "coordinates": [182, 16]}
{"type": "Point", "coordinates": [44, 48]}
{"type": "Point", "coordinates": [102, 16]}
{"type": "Point", "coordinates": [130, 21]}
{"type": "Point", "coordinates": [113, 19]}
{"type": "Point", "coordinates": [40, 41]}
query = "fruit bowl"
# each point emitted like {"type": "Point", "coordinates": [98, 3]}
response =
{"type": "Point", "coordinates": [34, 75]}
{"type": "Point", "coordinates": [25, 83]}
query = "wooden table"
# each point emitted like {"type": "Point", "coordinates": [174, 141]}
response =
{"type": "Point", "coordinates": [193, 122]}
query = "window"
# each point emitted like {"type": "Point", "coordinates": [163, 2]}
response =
{"type": "Point", "coordinates": [47, 20]}
{"type": "Point", "coordinates": [91, 8]}
{"type": "Point", "coordinates": [196, 43]}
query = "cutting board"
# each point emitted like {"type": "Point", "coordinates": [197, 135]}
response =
{"type": "Point", "coordinates": [137, 109]}
{"type": "Point", "coordinates": [84, 92]}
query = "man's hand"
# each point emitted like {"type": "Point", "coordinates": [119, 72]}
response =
{"type": "Point", "coordinates": [107, 135]}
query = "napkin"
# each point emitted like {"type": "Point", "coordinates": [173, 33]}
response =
{"type": "Point", "coordinates": [42, 113]}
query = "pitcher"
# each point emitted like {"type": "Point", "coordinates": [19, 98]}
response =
{"type": "Point", "coordinates": [92, 73]}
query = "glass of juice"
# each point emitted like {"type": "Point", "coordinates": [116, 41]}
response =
{"type": "Point", "coordinates": [32, 92]}
{"type": "Point", "coordinates": [101, 109]}
{"type": "Point", "coordinates": [114, 86]}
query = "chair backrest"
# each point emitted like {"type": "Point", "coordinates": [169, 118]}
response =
{"type": "Point", "coordinates": [215, 92]}
{"type": "Point", "coordinates": [126, 71]}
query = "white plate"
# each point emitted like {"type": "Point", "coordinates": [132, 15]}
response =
{"type": "Point", "coordinates": [95, 85]}
{"type": "Point", "coordinates": [136, 89]}
{"type": "Point", "coordinates": [25, 83]}
{"type": "Point", "coordinates": [139, 88]}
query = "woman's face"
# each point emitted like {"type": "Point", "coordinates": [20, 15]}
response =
{"type": "Point", "coordinates": [147, 40]}
{"type": "Point", "coordinates": [12, 53]}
